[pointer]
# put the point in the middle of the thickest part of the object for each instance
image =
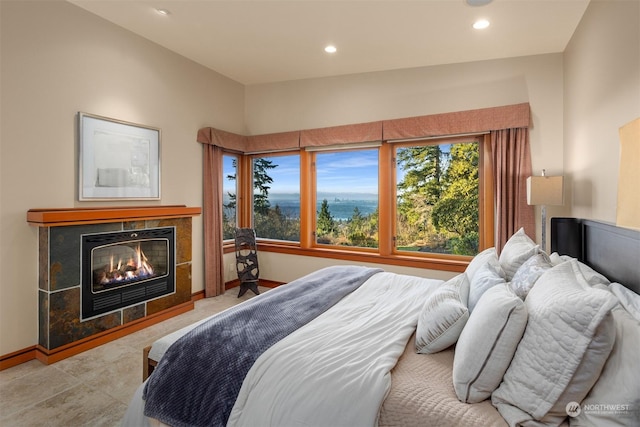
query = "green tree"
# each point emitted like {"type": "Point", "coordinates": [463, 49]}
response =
{"type": "Point", "coordinates": [326, 225]}
{"type": "Point", "coordinates": [418, 191]}
{"type": "Point", "coordinates": [232, 196]}
{"type": "Point", "coordinates": [361, 230]}
{"type": "Point", "coordinates": [457, 209]}
{"type": "Point", "coordinates": [261, 181]}
{"type": "Point", "coordinates": [229, 221]}
{"type": "Point", "coordinates": [424, 169]}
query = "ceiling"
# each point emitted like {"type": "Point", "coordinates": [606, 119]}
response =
{"type": "Point", "coordinates": [264, 41]}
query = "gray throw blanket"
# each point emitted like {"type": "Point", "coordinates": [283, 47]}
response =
{"type": "Point", "coordinates": [198, 379]}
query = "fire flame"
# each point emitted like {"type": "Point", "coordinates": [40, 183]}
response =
{"type": "Point", "coordinates": [136, 267]}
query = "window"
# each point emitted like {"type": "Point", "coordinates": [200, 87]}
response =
{"type": "Point", "coordinates": [423, 204]}
{"type": "Point", "coordinates": [229, 202]}
{"type": "Point", "coordinates": [437, 197]}
{"type": "Point", "coordinates": [276, 197]}
{"type": "Point", "coordinates": [347, 198]}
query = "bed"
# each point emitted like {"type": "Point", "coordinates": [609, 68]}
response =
{"type": "Point", "coordinates": [497, 345]}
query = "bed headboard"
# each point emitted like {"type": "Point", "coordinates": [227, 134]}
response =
{"type": "Point", "coordinates": [612, 251]}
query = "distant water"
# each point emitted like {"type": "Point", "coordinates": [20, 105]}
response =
{"type": "Point", "coordinates": [341, 207]}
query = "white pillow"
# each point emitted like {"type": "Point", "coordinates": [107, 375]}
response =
{"type": "Point", "coordinates": [488, 255]}
{"type": "Point", "coordinates": [443, 316]}
{"type": "Point", "coordinates": [487, 344]}
{"type": "Point", "coordinates": [619, 382]}
{"type": "Point", "coordinates": [568, 337]}
{"type": "Point", "coordinates": [528, 273]}
{"type": "Point", "coordinates": [487, 276]}
{"type": "Point", "coordinates": [516, 251]}
{"type": "Point", "coordinates": [630, 300]}
{"type": "Point", "coordinates": [591, 276]}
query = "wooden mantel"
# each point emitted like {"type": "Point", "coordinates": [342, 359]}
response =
{"type": "Point", "coordinates": [76, 216]}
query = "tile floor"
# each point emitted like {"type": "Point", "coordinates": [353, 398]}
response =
{"type": "Point", "coordinates": [92, 388]}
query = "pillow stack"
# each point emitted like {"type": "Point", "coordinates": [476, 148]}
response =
{"type": "Point", "coordinates": [533, 333]}
{"type": "Point", "coordinates": [614, 400]}
{"type": "Point", "coordinates": [567, 340]}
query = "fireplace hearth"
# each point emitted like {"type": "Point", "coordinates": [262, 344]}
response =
{"type": "Point", "coordinates": [121, 269]}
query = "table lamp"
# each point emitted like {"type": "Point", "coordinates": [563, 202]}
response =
{"type": "Point", "coordinates": [545, 191]}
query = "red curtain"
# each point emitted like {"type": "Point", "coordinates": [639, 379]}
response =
{"type": "Point", "coordinates": [512, 166]}
{"type": "Point", "coordinates": [212, 214]}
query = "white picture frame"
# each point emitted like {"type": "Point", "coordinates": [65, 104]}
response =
{"type": "Point", "coordinates": [118, 160]}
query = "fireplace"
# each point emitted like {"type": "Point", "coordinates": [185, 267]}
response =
{"type": "Point", "coordinates": [77, 309]}
{"type": "Point", "coordinates": [122, 269]}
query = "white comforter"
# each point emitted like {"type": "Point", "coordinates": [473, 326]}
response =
{"type": "Point", "coordinates": [335, 371]}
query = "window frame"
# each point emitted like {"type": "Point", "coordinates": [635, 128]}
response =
{"type": "Point", "coordinates": [314, 199]}
{"type": "Point", "coordinates": [238, 157]}
{"type": "Point", "coordinates": [386, 252]}
{"type": "Point", "coordinates": [482, 186]}
{"type": "Point", "coordinates": [248, 195]}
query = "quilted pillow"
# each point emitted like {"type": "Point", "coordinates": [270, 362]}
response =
{"type": "Point", "coordinates": [516, 251]}
{"type": "Point", "coordinates": [443, 316]}
{"type": "Point", "coordinates": [487, 344]}
{"type": "Point", "coordinates": [630, 300]}
{"type": "Point", "coordinates": [488, 255]}
{"type": "Point", "coordinates": [569, 335]}
{"type": "Point", "coordinates": [487, 276]}
{"type": "Point", "coordinates": [619, 382]}
{"type": "Point", "coordinates": [590, 275]}
{"type": "Point", "coordinates": [528, 273]}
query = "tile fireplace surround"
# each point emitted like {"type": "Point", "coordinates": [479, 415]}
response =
{"type": "Point", "coordinates": [61, 331]}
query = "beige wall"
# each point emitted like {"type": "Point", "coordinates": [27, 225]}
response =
{"type": "Point", "coordinates": [412, 92]}
{"type": "Point", "coordinates": [58, 59]}
{"type": "Point", "coordinates": [601, 93]}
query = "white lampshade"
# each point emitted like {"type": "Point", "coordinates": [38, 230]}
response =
{"type": "Point", "coordinates": [545, 190]}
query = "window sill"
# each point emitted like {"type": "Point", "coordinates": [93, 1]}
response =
{"type": "Point", "coordinates": [431, 262]}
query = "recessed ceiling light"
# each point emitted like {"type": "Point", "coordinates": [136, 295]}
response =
{"type": "Point", "coordinates": [163, 12]}
{"type": "Point", "coordinates": [481, 24]}
{"type": "Point", "coordinates": [330, 49]}
{"type": "Point", "coordinates": [478, 2]}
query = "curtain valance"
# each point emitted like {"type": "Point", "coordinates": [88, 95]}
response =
{"type": "Point", "coordinates": [273, 142]}
{"type": "Point", "coordinates": [340, 135]}
{"type": "Point", "coordinates": [222, 139]}
{"type": "Point", "coordinates": [461, 122]}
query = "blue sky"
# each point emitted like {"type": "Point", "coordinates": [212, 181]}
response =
{"type": "Point", "coordinates": [339, 172]}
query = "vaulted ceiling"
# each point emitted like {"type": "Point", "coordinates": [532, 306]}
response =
{"type": "Point", "coordinates": [263, 41]}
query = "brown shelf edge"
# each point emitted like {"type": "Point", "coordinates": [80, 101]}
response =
{"type": "Point", "coordinates": [75, 216]}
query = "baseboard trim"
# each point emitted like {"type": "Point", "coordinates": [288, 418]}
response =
{"type": "Point", "coordinates": [17, 357]}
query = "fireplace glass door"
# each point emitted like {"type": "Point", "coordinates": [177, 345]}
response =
{"type": "Point", "coordinates": [120, 264]}
{"type": "Point", "coordinates": [124, 268]}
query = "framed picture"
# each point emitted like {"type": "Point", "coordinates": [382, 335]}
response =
{"type": "Point", "coordinates": [118, 160]}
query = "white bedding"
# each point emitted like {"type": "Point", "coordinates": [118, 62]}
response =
{"type": "Point", "coordinates": [336, 369]}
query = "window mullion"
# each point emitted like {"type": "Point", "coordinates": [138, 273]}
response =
{"type": "Point", "coordinates": [245, 191]}
{"type": "Point", "coordinates": [307, 200]}
{"type": "Point", "coordinates": [386, 194]}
